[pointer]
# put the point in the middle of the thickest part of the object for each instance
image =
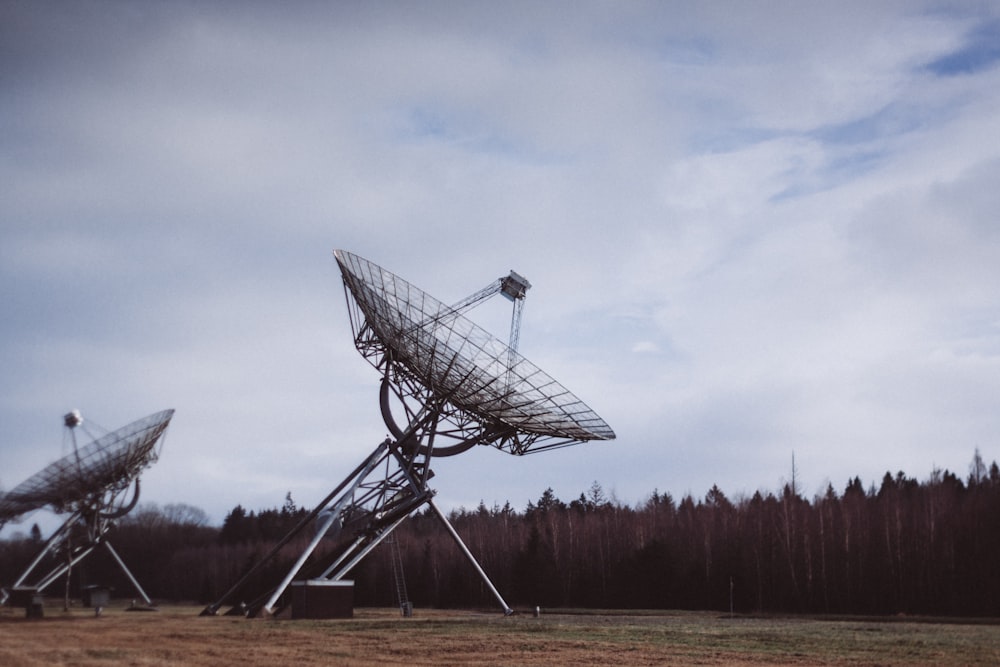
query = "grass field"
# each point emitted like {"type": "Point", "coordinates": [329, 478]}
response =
{"type": "Point", "coordinates": [176, 635]}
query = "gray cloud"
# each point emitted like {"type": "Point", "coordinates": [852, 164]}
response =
{"type": "Point", "coordinates": [750, 231]}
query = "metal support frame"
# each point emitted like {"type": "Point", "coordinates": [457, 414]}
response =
{"type": "Point", "coordinates": [227, 597]}
{"type": "Point", "coordinates": [385, 496]}
{"type": "Point", "coordinates": [362, 511]}
{"type": "Point", "coordinates": [97, 530]}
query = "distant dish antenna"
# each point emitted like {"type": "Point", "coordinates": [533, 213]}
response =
{"type": "Point", "coordinates": [447, 386]}
{"type": "Point", "coordinates": [93, 485]}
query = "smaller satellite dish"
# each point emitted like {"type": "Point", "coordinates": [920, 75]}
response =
{"type": "Point", "coordinates": [108, 464]}
{"type": "Point", "coordinates": [91, 485]}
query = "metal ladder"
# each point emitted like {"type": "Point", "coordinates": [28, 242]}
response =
{"type": "Point", "coordinates": [402, 599]}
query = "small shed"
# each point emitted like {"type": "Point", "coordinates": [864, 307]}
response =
{"type": "Point", "coordinates": [29, 598]}
{"type": "Point", "coordinates": [323, 598]}
{"type": "Point", "coordinates": [96, 596]}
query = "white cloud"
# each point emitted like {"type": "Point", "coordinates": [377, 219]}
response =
{"type": "Point", "coordinates": [750, 230]}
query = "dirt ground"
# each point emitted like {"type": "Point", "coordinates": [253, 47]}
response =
{"type": "Point", "coordinates": [177, 635]}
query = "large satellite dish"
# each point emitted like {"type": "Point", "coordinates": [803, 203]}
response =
{"type": "Point", "coordinates": [93, 485]}
{"type": "Point", "coordinates": [512, 403]}
{"type": "Point", "coordinates": [447, 385]}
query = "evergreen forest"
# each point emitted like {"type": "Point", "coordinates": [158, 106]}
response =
{"type": "Point", "coordinates": [895, 546]}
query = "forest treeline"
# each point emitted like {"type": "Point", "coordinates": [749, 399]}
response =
{"type": "Point", "coordinates": [896, 546]}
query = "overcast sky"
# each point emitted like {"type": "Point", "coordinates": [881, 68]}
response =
{"type": "Point", "coordinates": [751, 230]}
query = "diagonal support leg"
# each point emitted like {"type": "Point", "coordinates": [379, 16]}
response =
{"type": "Point", "coordinates": [472, 559]}
{"type": "Point", "coordinates": [62, 569]}
{"type": "Point", "coordinates": [128, 573]}
{"type": "Point", "coordinates": [49, 544]}
{"type": "Point", "coordinates": [320, 534]}
{"type": "Point", "coordinates": [336, 571]}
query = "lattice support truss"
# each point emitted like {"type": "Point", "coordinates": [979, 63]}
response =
{"type": "Point", "coordinates": [386, 488]}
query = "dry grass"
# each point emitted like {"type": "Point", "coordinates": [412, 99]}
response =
{"type": "Point", "coordinates": [176, 635]}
